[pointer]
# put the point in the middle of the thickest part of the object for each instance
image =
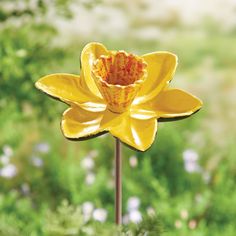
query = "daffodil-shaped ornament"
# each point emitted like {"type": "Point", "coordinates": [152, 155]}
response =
{"type": "Point", "coordinates": [120, 93]}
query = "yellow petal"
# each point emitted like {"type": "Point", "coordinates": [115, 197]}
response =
{"type": "Point", "coordinates": [161, 67]}
{"type": "Point", "coordinates": [78, 123]}
{"type": "Point", "coordinates": [136, 133]}
{"type": "Point", "coordinates": [67, 88]}
{"type": "Point", "coordinates": [138, 112]}
{"type": "Point", "coordinates": [169, 103]}
{"type": "Point", "coordinates": [91, 53]}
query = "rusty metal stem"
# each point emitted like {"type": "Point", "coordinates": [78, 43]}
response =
{"type": "Point", "coordinates": [118, 182]}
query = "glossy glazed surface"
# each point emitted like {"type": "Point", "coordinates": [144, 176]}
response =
{"type": "Point", "coordinates": [94, 110]}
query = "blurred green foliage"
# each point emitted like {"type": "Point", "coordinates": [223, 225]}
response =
{"type": "Point", "coordinates": [18, 8]}
{"type": "Point", "coordinates": [188, 203]}
{"type": "Point", "coordinates": [18, 51]}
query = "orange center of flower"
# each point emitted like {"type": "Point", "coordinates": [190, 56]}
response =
{"type": "Point", "coordinates": [119, 77]}
{"type": "Point", "coordinates": [120, 68]}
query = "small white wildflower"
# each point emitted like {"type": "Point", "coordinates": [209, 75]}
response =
{"type": "Point", "coordinates": [42, 147]}
{"type": "Point", "coordinates": [135, 216]}
{"type": "Point", "coordinates": [87, 163]}
{"type": "Point", "coordinates": [178, 224]}
{"type": "Point", "coordinates": [184, 214]}
{"type": "Point", "coordinates": [7, 150]}
{"type": "Point", "coordinates": [192, 224]}
{"type": "Point", "coordinates": [90, 178]}
{"type": "Point", "coordinates": [37, 161]}
{"type": "Point", "coordinates": [190, 155]}
{"type": "Point", "coordinates": [192, 167]}
{"type": "Point", "coordinates": [4, 159]}
{"type": "Point", "coordinates": [8, 171]}
{"type": "Point", "coordinates": [133, 203]}
{"type": "Point", "coordinates": [133, 161]}
{"type": "Point", "coordinates": [100, 215]}
{"type": "Point", "coordinates": [87, 210]}
{"type": "Point", "coordinates": [190, 161]}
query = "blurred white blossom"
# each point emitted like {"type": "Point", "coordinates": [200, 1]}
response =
{"type": "Point", "coordinates": [191, 161]}
{"type": "Point", "coordinates": [9, 171]}
{"type": "Point", "coordinates": [190, 155]}
{"type": "Point", "coordinates": [133, 203]}
{"type": "Point", "coordinates": [87, 210]}
{"type": "Point", "coordinates": [184, 214]}
{"type": "Point", "coordinates": [87, 163]}
{"type": "Point", "coordinates": [42, 147]}
{"type": "Point", "coordinates": [90, 178]}
{"type": "Point", "coordinates": [192, 167]}
{"type": "Point", "coordinates": [37, 161]}
{"type": "Point", "coordinates": [133, 161]}
{"type": "Point", "coordinates": [135, 216]}
{"type": "Point", "coordinates": [4, 159]}
{"type": "Point", "coordinates": [178, 224]}
{"type": "Point", "coordinates": [192, 224]}
{"type": "Point", "coordinates": [100, 215]}
{"type": "Point", "coordinates": [7, 150]}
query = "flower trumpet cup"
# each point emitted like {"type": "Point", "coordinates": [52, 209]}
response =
{"type": "Point", "coordinates": [120, 93]}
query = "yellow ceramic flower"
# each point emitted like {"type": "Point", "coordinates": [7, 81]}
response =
{"type": "Point", "coordinates": [120, 93]}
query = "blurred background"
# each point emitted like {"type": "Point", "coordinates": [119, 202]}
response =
{"type": "Point", "coordinates": [49, 186]}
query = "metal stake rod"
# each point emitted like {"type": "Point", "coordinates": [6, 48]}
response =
{"type": "Point", "coordinates": [118, 182]}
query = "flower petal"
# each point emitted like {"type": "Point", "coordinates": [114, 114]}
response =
{"type": "Point", "coordinates": [90, 53]}
{"type": "Point", "coordinates": [68, 88]}
{"type": "Point", "coordinates": [78, 123]}
{"type": "Point", "coordinates": [136, 133]}
{"type": "Point", "coordinates": [161, 67]}
{"type": "Point", "coordinates": [170, 103]}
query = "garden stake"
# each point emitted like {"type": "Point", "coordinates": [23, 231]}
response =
{"type": "Point", "coordinates": [120, 93]}
{"type": "Point", "coordinates": [118, 182]}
